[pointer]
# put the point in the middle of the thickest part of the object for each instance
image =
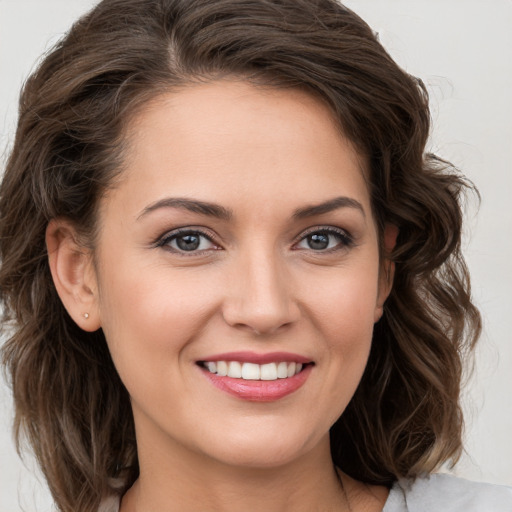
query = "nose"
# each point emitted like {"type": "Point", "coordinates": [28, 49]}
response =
{"type": "Point", "coordinates": [260, 295]}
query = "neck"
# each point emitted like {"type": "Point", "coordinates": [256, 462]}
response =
{"type": "Point", "coordinates": [189, 481]}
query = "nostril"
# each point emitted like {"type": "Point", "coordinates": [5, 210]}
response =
{"type": "Point", "coordinates": [261, 301]}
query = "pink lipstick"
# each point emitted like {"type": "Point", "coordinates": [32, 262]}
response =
{"type": "Point", "coordinates": [257, 377]}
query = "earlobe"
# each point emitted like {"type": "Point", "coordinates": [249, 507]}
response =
{"type": "Point", "coordinates": [73, 274]}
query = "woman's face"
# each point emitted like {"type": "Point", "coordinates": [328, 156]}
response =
{"type": "Point", "coordinates": [239, 240]}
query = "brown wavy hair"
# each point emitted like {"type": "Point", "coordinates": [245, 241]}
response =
{"type": "Point", "coordinates": [405, 418]}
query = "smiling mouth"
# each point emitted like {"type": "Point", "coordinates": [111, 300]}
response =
{"type": "Point", "coordinates": [253, 371]}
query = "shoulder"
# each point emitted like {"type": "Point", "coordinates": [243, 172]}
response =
{"type": "Point", "coordinates": [448, 494]}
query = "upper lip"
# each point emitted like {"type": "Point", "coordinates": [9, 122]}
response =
{"type": "Point", "coordinates": [253, 357]}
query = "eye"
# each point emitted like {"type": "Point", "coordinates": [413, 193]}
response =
{"type": "Point", "coordinates": [186, 240]}
{"type": "Point", "coordinates": [325, 239]}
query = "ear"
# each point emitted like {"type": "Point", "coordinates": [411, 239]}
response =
{"type": "Point", "coordinates": [387, 271]}
{"type": "Point", "coordinates": [73, 274]}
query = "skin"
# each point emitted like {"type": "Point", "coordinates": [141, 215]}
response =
{"type": "Point", "coordinates": [255, 285]}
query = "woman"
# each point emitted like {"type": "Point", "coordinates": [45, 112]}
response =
{"type": "Point", "coordinates": [232, 277]}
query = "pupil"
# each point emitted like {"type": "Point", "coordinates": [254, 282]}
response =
{"type": "Point", "coordinates": [188, 242]}
{"type": "Point", "coordinates": [318, 241]}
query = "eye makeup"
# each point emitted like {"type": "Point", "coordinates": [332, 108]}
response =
{"type": "Point", "coordinates": [319, 238]}
{"type": "Point", "coordinates": [194, 241]}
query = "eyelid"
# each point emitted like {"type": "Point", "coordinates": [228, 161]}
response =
{"type": "Point", "coordinates": [348, 239]}
{"type": "Point", "coordinates": [164, 239]}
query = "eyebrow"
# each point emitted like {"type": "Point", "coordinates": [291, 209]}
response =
{"type": "Point", "coordinates": [192, 205]}
{"type": "Point", "coordinates": [220, 212]}
{"type": "Point", "coordinates": [328, 206]}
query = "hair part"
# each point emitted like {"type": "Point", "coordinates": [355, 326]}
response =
{"type": "Point", "coordinates": [405, 418]}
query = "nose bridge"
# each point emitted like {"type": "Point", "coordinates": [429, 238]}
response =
{"type": "Point", "coordinates": [260, 294]}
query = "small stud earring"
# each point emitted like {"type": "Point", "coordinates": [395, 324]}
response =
{"type": "Point", "coordinates": [86, 316]}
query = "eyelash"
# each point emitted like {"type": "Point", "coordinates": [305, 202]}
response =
{"type": "Point", "coordinates": [182, 232]}
{"type": "Point", "coordinates": [345, 240]}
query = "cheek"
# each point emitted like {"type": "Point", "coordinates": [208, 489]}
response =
{"type": "Point", "coordinates": [344, 313]}
{"type": "Point", "coordinates": [150, 313]}
{"type": "Point", "coordinates": [346, 303]}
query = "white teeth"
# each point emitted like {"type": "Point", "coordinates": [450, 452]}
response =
{"type": "Point", "coordinates": [222, 368]}
{"type": "Point", "coordinates": [235, 370]}
{"type": "Point", "coordinates": [282, 370]}
{"type": "Point", "coordinates": [252, 371]}
{"type": "Point", "coordinates": [268, 371]}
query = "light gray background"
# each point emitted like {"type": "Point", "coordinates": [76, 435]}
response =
{"type": "Point", "coordinates": [462, 49]}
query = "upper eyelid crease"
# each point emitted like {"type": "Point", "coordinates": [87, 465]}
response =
{"type": "Point", "coordinates": [165, 240]}
{"type": "Point", "coordinates": [176, 233]}
{"type": "Point", "coordinates": [348, 239]}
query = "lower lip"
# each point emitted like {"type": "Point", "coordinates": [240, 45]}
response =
{"type": "Point", "coordinates": [259, 390]}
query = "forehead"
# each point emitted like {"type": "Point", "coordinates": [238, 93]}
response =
{"type": "Point", "coordinates": [228, 140]}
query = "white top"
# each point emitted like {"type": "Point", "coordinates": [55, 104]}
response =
{"type": "Point", "coordinates": [437, 493]}
{"type": "Point", "coordinates": [446, 493]}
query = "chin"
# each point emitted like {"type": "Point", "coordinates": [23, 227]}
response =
{"type": "Point", "coordinates": [256, 457]}
{"type": "Point", "coordinates": [266, 447]}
